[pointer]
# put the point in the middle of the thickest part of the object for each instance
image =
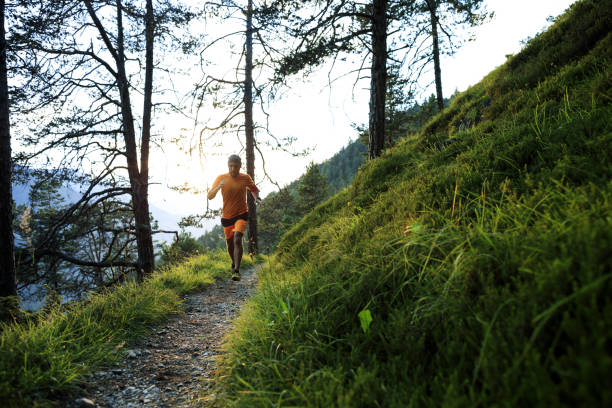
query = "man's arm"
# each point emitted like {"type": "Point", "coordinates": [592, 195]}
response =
{"type": "Point", "coordinates": [213, 191]}
{"type": "Point", "coordinates": [252, 188]}
{"type": "Point", "coordinates": [255, 195]}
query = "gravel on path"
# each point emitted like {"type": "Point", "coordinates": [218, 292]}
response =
{"type": "Point", "coordinates": [175, 365]}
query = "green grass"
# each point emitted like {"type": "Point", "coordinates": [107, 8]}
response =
{"type": "Point", "coordinates": [54, 352]}
{"type": "Point", "coordinates": [479, 247]}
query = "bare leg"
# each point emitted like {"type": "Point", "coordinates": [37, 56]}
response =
{"type": "Point", "coordinates": [237, 249]}
{"type": "Point", "coordinates": [230, 248]}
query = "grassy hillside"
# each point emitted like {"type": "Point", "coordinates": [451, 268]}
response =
{"type": "Point", "coordinates": [55, 350]}
{"type": "Point", "coordinates": [469, 266]}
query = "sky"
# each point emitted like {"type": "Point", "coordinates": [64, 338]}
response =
{"type": "Point", "coordinates": [321, 118]}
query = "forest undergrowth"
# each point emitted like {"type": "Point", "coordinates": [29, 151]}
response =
{"type": "Point", "coordinates": [467, 267]}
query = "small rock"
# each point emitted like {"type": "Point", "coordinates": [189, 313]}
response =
{"type": "Point", "coordinates": [85, 403]}
{"type": "Point", "coordinates": [151, 392]}
{"type": "Point", "coordinates": [131, 354]}
{"type": "Point", "coordinates": [117, 371]}
{"type": "Point", "coordinates": [129, 390]}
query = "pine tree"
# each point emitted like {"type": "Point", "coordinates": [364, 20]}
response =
{"type": "Point", "coordinates": [103, 51]}
{"type": "Point", "coordinates": [7, 261]}
{"type": "Point", "coordinates": [441, 21]}
{"type": "Point", "coordinates": [312, 189]}
{"type": "Point", "coordinates": [277, 214]}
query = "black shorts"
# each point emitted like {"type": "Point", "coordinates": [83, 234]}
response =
{"type": "Point", "coordinates": [226, 222]}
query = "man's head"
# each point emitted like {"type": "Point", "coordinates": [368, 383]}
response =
{"type": "Point", "coordinates": [233, 164]}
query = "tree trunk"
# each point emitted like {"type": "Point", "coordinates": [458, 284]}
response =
{"type": "Point", "coordinates": [138, 182]}
{"type": "Point", "coordinates": [432, 5]}
{"type": "Point", "coordinates": [148, 91]}
{"type": "Point", "coordinates": [8, 285]}
{"type": "Point", "coordinates": [145, 251]}
{"type": "Point", "coordinates": [248, 124]}
{"type": "Point", "coordinates": [378, 84]}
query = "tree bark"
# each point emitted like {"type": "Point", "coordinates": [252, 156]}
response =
{"type": "Point", "coordinates": [8, 286]}
{"type": "Point", "coordinates": [148, 91]}
{"type": "Point", "coordinates": [145, 251]}
{"type": "Point", "coordinates": [138, 181]}
{"type": "Point", "coordinates": [433, 7]}
{"type": "Point", "coordinates": [378, 81]}
{"type": "Point", "coordinates": [248, 124]}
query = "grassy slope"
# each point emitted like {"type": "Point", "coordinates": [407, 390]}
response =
{"type": "Point", "coordinates": [480, 247]}
{"type": "Point", "coordinates": [56, 350]}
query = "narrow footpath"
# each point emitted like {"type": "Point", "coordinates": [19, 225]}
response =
{"type": "Point", "coordinates": [171, 367]}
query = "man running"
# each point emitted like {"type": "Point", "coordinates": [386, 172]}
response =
{"type": "Point", "coordinates": [233, 186]}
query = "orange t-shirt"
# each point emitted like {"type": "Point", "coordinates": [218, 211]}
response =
{"type": "Point", "coordinates": [234, 193]}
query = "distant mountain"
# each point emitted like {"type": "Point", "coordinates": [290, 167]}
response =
{"type": "Point", "coordinates": [21, 193]}
{"type": "Point", "coordinates": [340, 169]}
{"type": "Point", "coordinates": [32, 294]}
{"type": "Point", "coordinates": [166, 220]}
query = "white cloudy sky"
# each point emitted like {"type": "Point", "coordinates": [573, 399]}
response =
{"type": "Point", "coordinates": [320, 117]}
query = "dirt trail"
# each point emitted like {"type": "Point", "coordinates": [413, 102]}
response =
{"type": "Point", "coordinates": [170, 367]}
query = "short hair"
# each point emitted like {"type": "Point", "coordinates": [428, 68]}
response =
{"type": "Point", "coordinates": [234, 158]}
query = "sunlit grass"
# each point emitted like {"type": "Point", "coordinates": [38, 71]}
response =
{"type": "Point", "coordinates": [479, 248]}
{"type": "Point", "coordinates": [53, 352]}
